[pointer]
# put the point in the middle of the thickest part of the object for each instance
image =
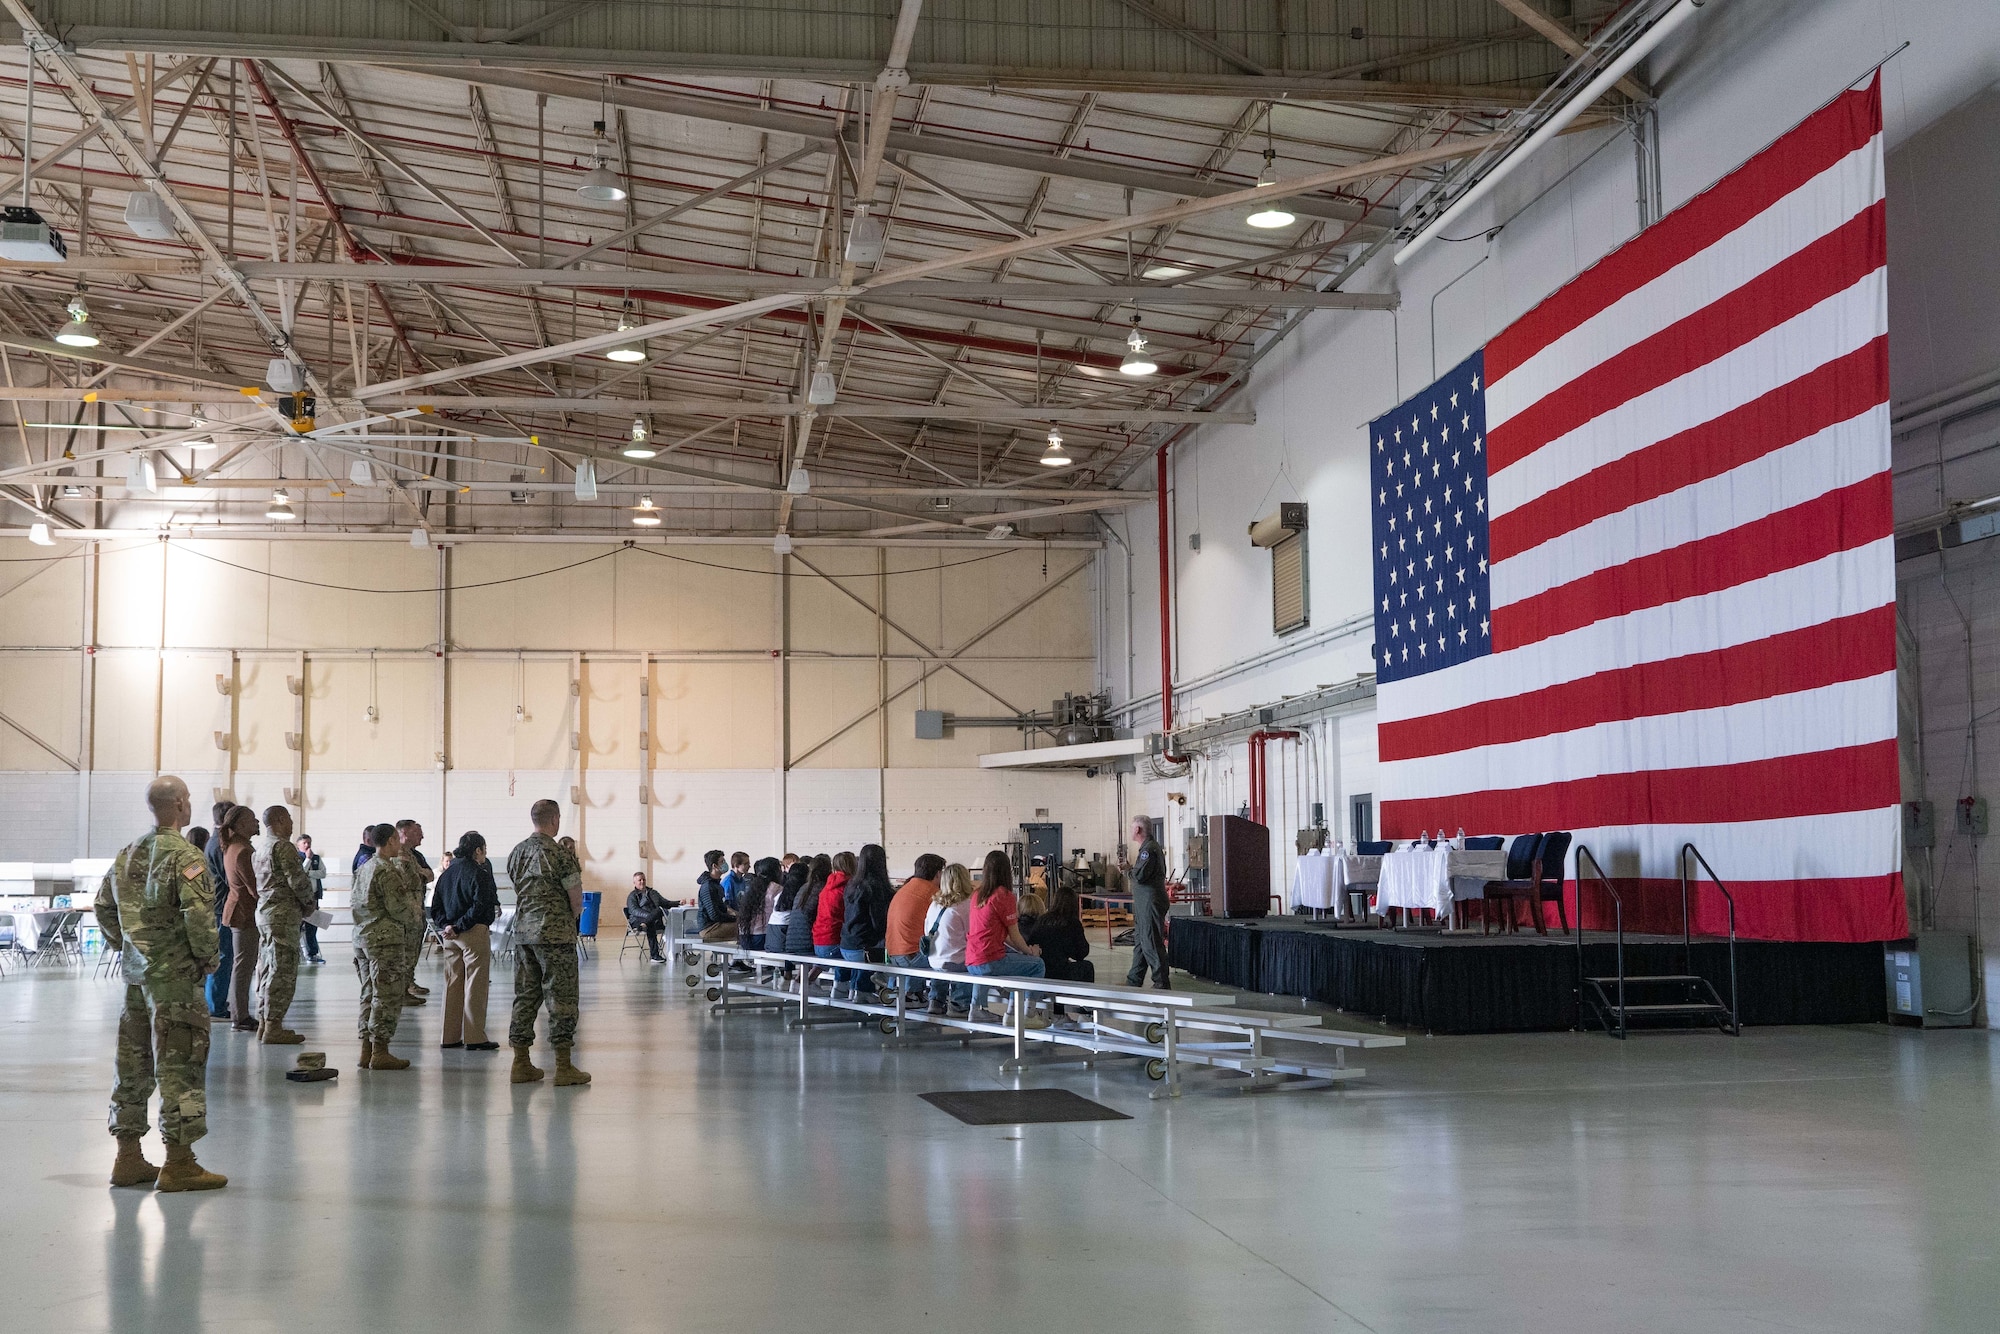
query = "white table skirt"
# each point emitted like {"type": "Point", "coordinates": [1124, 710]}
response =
{"type": "Point", "coordinates": [1435, 878]}
{"type": "Point", "coordinates": [1323, 879]}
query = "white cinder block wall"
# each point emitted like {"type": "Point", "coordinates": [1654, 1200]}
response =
{"type": "Point", "coordinates": [1736, 79]}
{"type": "Point", "coordinates": [762, 690]}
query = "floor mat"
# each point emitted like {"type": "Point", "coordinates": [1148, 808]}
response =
{"type": "Point", "coordinates": [1020, 1107]}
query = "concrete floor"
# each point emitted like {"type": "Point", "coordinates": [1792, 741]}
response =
{"type": "Point", "coordinates": [724, 1176]}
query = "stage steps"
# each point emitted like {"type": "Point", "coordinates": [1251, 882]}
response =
{"type": "Point", "coordinates": [1609, 1001]}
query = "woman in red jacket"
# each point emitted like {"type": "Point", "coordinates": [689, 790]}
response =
{"type": "Point", "coordinates": [830, 917]}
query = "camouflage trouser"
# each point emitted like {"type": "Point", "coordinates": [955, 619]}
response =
{"type": "Point", "coordinates": [385, 978]}
{"type": "Point", "coordinates": [163, 1029]}
{"type": "Point", "coordinates": [544, 970]}
{"type": "Point", "coordinates": [277, 965]}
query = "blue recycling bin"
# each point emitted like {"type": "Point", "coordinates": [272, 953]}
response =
{"type": "Point", "coordinates": [593, 903]}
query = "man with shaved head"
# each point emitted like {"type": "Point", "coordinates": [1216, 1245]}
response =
{"type": "Point", "coordinates": [156, 907]}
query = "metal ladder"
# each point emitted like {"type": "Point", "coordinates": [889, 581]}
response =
{"type": "Point", "coordinates": [1689, 995]}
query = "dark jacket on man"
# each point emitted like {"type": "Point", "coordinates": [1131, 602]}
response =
{"type": "Point", "coordinates": [710, 907]}
{"type": "Point", "coordinates": [465, 896]}
{"type": "Point", "coordinates": [646, 908]}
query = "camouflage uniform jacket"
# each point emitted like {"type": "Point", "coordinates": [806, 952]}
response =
{"type": "Point", "coordinates": [156, 907]}
{"type": "Point", "coordinates": [543, 875]}
{"type": "Point", "coordinates": [384, 898]}
{"type": "Point", "coordinates": [284, 890]}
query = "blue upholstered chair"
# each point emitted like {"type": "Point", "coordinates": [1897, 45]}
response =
{"type": "Point", "coordinates": [1534, 876]}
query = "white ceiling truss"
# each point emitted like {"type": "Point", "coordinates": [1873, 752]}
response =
{"type": "Point", "coordinates": [385, 193]}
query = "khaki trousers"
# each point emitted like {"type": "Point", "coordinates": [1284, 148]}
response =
{"type": "Point", "coordinates": [243, 975]}
{"type": "Point", "coordinates": [467, 962]}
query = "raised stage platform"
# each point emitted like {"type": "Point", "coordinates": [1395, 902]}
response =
{"type": "Point", "coordinates": [1514, 984]}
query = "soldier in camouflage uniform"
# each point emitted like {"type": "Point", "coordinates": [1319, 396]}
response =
{"type": "Point", "coordinates": [383, 900]}
{"type": "Point", "coordinates": [156, 907]}
{"type": "Point", "coordinates": [284, 895]}
{"type": "Point", "coordinates": [548, 888]}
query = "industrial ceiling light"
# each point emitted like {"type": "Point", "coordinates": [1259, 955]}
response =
{"type": "Point", "coordinates": [1055, 456]}
{"type": "Point", "coordinates": [600, 185]}
{"type": "Point", "coordinates": [282, 374]}
{"type": "Point", "coordinates": [999, 532]}
{"type": "Point", "coordinates": [361, 472]}
{"type": "Point", "coordinates": [640, 446]}
{"type": "Point", "coordinates": [77, 332]}
{"type": "Point", "coordinates": [647, 515]}
{"type": "Point", "coordinates": [1272, 213]}
{"type": "Point", "coordinates": [280, 508]}
{"type": "Point", "coordinates": [1138, 361]}
{"type": "Point", "coordinates": [198, 420]}
{"type": "Point", "coordinates": [139, 473]}
{"type": "Point", "coordinates": [821, 391]}
{"type": "Point", "coordinates": [38, 533]}
{"type": "Point", "coordinates": [420, 539]}
{"type": "Point", "coordinates": [1162, 271]}
{"type": "Point", "coordinates": [626, 352]}
{"type": "Point", "coordinates": [799, 482]}
{"type": "Point", "coordinates": [586, 479]}
{"type": "Point", "coordinates": [782, 544]}
{"type": "Point", "coordinates": [71, 491]}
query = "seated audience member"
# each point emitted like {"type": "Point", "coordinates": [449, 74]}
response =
{"type": "Point", "coordinates": [784, 894]}
{"type": "Point", "coordinates": [1058, 934]}
{"type": "Point", "coordinates": [902, 939]}
{"type": "Point", "coordinates": [830, 917]}
{"type": "Point", "coordinates": [464, 905]}
{"type": "Point", "coordinates": [805, 906]}
{"type": "Point", "coordinates": [717, 922]}
{"type": "Point", "coordinates": [865, 914]}
{"type": "Point", "coordinates": [1033, 905]}
{"type": "Point", "coordinates": [753, 904]}
{"type": "Point", "coordinates": [788, 861]}
{"type": "Point", "coordinates": [994, 946]}
{"type": "Point", "coordinates": [945, 926]}
{"type": "Point", "coordinates": [646, 910]}
{"type": "Point", "coordinates": [736, 877]}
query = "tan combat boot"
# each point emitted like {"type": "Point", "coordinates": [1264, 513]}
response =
{"type": "Point", "coordinates": [182, 1172]}
{"type": "Point", "coordinates": [383, 1060]}
{"type": "Point", "coordinates": [568, 1075]}
{"type": "Point", "coordinates": [367, 1054]}
{"type": "Point", "coordinates": [279, 1035]}
{"type": "Point", "coordinates": [132, 1169]}
{"type": "Point", "coordinates": [525, 1071]}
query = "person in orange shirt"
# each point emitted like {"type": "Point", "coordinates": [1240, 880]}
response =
{"type": "Point", "coordinates": [904, 941]}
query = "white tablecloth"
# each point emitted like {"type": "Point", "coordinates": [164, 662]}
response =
{"type": "Point", "coordinates": [1435, 878]}
{"type": "Point", "coordinates": [1323, 879]}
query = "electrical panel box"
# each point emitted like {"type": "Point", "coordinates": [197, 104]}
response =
{"type": "Point", "coordinates": [1919, 824]}
{"type": "Point", "coordinates": [1197, 852]}
{"type": "Point", "coordinates": [930, 724]}
{"type": "Point", "coordinates": [1930, 980]}
{"type": "Point", "coordinates": [1972, 816]}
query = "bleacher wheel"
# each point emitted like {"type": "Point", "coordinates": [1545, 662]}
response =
{"type": "Point", "coordinates": [690, 958]}
{"type": "Point", "coordinates": [888, 1026]}
{"type": "Point", "coordinates": [714, 969]}
{"type": "Point", "coordinates": [1156, 1069]}
{"type": "Point", "coordinates": [693, 980]}
{"type": "Point", "coordinates": [1156, 1032]}
{"type": "Point", "coordinates": [714, 993]}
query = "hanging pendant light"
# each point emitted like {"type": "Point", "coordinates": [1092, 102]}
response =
{"type": "Point", "coordinates": [1271, 214]}
{"type": "Point", "coordinates": [626, 352]}
{"type": "Point", "coordinates": [586, 479]}
{"type": "Point", "coordinates": [1138, 361]}
{"type": "Point", "coordinates": [640, 446]}
{"type": "Point", "coordinates": [77, 332]}
{"type": "Point", "coordinates": [647, 515]}
{"type": "Point", "coordinates": [139, 474]}
{"type": "Point", "coordinates": [420, 539]}
{"type": "Point", "coordinates": [782, 544]}
{"type": "Point", "coordinates": [799, 481]}
{"type": "Point", "coordinates": [821, 391]}
{"type": "Point", "coordinates": [1055, 456]}
{"type": "Point", "coordinates": [280, 508]}
{"type": "Point", "coordinates": [38, 533]}
{"type": "Point", "coordinates": [601, 185]}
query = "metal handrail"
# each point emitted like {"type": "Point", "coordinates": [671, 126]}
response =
{"type": "Point", "coordinates": [1687, 939]}
{"type": "Point", "coordinates": [1618, 921]}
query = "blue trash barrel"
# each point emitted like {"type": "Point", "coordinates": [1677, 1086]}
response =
{"type": "Point", "coordinates": [593, 903]}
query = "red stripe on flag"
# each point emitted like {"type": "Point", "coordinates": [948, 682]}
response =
{"type": "Point", "coordinates": [1840, 520]}
{"type": "Point", "coordinates": [1822, 139]}
{"type": "Point", "coordinates": [1794, 285]}
{"type": "Point", "coordinates": [1835, 392]}
{"type": "Point", "coordinates": [1826, 782]}
{"type": "Point", "coordinates": [1868, 907]}
{"type": "Point", "coordinates": [1848, 649]}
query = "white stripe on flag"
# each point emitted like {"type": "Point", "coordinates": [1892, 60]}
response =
{"type": "Point", "coordinates": [1841, 455]}
{"type": "Point", "coordinates": [1836, 326]}
{"type": "Point", "coordinates": [1810, 212]}
{"type": "Point", "coordinates": [1847, 713]}
{"type": "Point", "coordinates": [1807, 847]}
{"type": "Point", "coordinates": [1843, 584]}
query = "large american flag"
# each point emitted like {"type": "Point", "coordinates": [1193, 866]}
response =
{"type": "Point", "coordinates": [1634, 573]}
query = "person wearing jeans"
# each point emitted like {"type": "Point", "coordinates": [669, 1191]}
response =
{"type": "Point", "coordinates": [945, 926]}
{"type": "Point", "coordinates": [464, 907]}
{"type": "Point", "coordinates": [829, 917]}
{"type": "Point", "coordinates": [904, 931]}
{"type": "Point", "coordinates": [316, 872]}
{"type": "Point", "coordinates": [865, 925]}
{"type": "Point", "coordinates": [993, 943]}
